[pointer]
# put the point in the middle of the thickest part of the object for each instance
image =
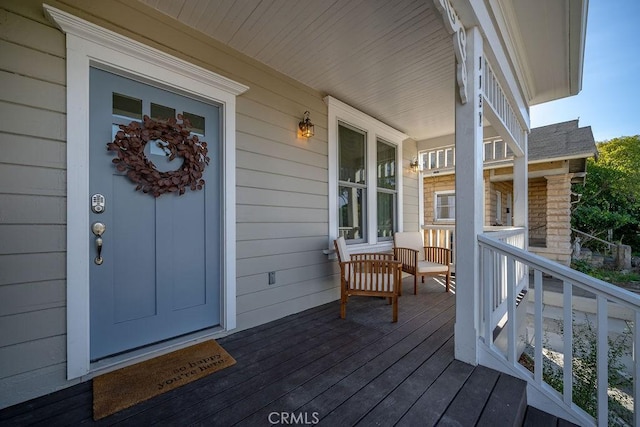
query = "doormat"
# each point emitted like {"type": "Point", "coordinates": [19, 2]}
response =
{"type": "Point", "coordinates": [117, 390]}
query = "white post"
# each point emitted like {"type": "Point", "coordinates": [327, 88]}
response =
{"type": "Point", "coordinates": [469, 204]}
{"type": "Point", "coordinates": [521, 191]}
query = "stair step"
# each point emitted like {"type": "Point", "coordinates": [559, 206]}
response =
{"type": "Point", "coordinates": [535, 417]}
{"type": "Point", "coordinates": [507, 403]}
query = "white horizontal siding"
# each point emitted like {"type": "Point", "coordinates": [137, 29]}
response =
{"type": "Point", "coordinates": [26, 327]}
{"type": "Point", "coordinates": [28, 356]}
{"type": "Point", "coordinates": [30, 209]}
{"type": "Point", "coordinates": [410, 212]}
{"type": "Point", "coordinates": [32, 203]}
{"type": "Point", "coordinates": [34, 296]}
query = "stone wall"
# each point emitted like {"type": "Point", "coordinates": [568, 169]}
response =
{"type": "Point", "coordinates": [559, 217]}
{"type": "Point", "coordinates": [537, 211]}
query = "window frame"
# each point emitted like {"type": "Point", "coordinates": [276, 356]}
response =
{"type": "Point", "coordinates": [436, 218]}
{"type": "Point", "coordinates": [339, 112]}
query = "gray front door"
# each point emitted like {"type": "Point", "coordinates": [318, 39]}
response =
{"type": "Point", "coordinates": [160, 276]}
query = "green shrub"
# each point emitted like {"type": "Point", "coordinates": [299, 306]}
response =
{"type": "Point", "coordinates": [585, 372]}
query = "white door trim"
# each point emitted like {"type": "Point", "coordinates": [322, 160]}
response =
{"type": "Point", "coordinates": [87, 45]}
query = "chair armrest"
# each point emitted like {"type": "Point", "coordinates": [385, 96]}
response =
{"type": "Point", "coordinates": [408, 257]}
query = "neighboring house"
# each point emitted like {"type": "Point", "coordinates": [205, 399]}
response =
{"type": "Point", "coordinates": [78, 298]}
{"type": "Point", "coordinates": [557, 158]}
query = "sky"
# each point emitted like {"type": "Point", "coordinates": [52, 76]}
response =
{"type": "Point", "coordinates": [610, 98]}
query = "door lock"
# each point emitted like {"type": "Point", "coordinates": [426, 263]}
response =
{"type": "Point", "coordinates": [98, 229]}
{"type": "Point", "coordinates": [97, 203]}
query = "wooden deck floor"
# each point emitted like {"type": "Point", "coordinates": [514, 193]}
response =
{"type": "Point", "coordinates": [364, 371]}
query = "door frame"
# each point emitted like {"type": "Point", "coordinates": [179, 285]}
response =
{"type": "Point", "coordinates": [91, 45]}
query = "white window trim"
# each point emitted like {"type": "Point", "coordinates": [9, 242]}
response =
{"type": "Point", "coordinates": [435, 206]}
{"type": "Point", "coordinates": [88, 45]}
{"type": "Point", "coordinates": [341, 112]}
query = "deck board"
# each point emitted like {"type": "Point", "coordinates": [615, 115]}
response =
{"type": "Point", "coordinates": [363, 370]}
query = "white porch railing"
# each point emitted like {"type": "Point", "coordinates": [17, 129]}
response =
{"type": "Point", "coordinates": [499, 268]}
{"type": "Point", "coordinates": [565, 359]}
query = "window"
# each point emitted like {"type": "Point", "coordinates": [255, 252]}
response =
{"type": "Point", "coordinates": [440, 158]}
{"type": "Point", "coordinates": [352, 183]}
{"type": "Point", "coordinates": [365, 177]}
{"type": "Point", "coordinates": [445, 206]}
{"type": "Point", "coordinates": [386, 194]}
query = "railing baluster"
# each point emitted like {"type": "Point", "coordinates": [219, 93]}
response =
{"type": "Point", "coordinates": [487, 278]}
{"type": "Point", "coordinates": [602, 361]}
{"type": "Point", "coordinates": [538, 365]}
{"type": "Point", "coordinates": [567, 366]}
{"type": "Point", "coordinates": [511, 307]}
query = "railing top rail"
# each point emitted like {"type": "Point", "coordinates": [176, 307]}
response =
{"type": "Point", "coordinates": [593, 237]}
{"type": "Point", "coordinates": [503, 231]}
{"type": "Point", "coordinates": [567, 274]}
{"type": "Point", "coordinates": [439, 227]}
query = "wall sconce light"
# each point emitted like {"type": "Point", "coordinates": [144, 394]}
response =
{"type": "Point", "coordinates": [306, 127]}
{"type": "Point", "coordinates": [414, 165]}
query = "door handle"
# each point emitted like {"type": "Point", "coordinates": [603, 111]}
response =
{"type": "Point", "coordinates": [98, 229]}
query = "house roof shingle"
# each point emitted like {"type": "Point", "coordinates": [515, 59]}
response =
{"type": "Point", "coordinates": [561, 140]}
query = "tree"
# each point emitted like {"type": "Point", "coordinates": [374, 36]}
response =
{"type": "Point", "coordinates": [611, 195]}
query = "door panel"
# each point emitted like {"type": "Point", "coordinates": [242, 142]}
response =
{"type": "Point", "coordinates": [160, 277]}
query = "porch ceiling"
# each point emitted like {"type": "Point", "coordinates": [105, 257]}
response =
{"type": "Point", "coordinates": [390, 59]}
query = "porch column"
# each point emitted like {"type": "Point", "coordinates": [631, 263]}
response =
{"type": "Point", "coordinates": [469, 206]}
{"type": "Point", "coordinates": [559, 217]}
{"type": "Point", "coordinates": [521, 190]}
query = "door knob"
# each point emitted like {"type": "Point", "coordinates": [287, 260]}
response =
{"type": "Point", "coordinates": [98, 229]}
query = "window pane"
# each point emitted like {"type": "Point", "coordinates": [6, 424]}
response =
{"type": "Point", "coordinates": [351, 213]}
{"type": "Point", "coordinates": [386, 214]}
{"type": "Point", "coordinates": [196, 122]}
{"type": "Point", "coordinates": [499, 150]}
{"type": "Point", "coordinates": [386, 165]}
{"type": "Point", "coordinates": [160, 112]}
{"type": "Point", "coordinates": [127, 106]}
{"type": "Point", "coordinates": [432, 160]}
{"type": "Point", "coordinates": [446, 206]}
{"type": "Point", "coordinates": [488, 151]}
{"type": "Point", "coordinates": [450, 158]}
{"type": "Point", "coordinates": [351, 155]}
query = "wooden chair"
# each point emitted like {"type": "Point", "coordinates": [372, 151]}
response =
{"type": "Point", "coordinates": [369, 274]}
{"type": "Point", "coordinates": [420, 260]}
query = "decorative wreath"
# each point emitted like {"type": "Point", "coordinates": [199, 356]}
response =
{"type": "Point", "coordinates": [176, 141]}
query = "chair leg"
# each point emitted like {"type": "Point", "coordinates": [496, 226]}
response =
{"type": "Point", "coordinates": [448, 279]}
{"type": "Point", "coordinates": [343, 305]}
{"type": "Point", "coordinates": [395, 308]}
{"type": "Point", "coordinates": [415, 284]}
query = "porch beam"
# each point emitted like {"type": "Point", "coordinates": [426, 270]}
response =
{"type": "Point", "coordinates": [469, 203]}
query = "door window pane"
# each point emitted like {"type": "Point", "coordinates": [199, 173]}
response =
{"type": "Point", "coordinates": [126, 106]}
{"type": "Point", "coordinates": [386, 215]}
{"type": "Point", "coordinates": [160, 112]}
{"type": "Point", "coordinates": [196, 122]}
{"type": "Point", "coordinates": [386, 158]}
{"type": "Point", "coordinates": [351, 155]}
{"type": "Point", "coordinates": [351, 213]}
